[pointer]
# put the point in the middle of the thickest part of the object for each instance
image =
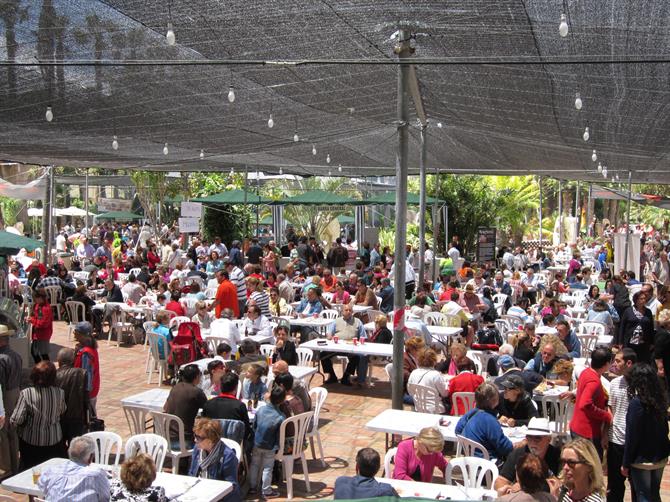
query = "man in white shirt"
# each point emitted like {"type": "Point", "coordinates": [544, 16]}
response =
{"type": "Point", "coordinates": [508, 259]}
{"type": "Point", "coordinates": [428, 255]}
{"type": "Point", "coordinates": [453, 252]}
{"type": "Point", "coordinates": [61, 242]}
{"type": "Point", "coordinates": [84, 250]}
{"type": "Point", "coordinates": [257, 324]}
{"type": "Point", "coordinates": [410, 278]}
{"type": "Point", "coordinates": [529, 284]}
{"type": "Point", "coordinates": [286, 291]}
{"type": "Point", "coordinates": [652, 304]}
{"type": "Point", "coordinates": [219, 247]}
{"type": "Point", "coordinates": [133, 290]}
{"type": "Point", "coordinates": [75, 479]}
{"type": "Point", "coordinates": [224, 327]}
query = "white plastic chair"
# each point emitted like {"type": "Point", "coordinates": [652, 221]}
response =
{"type": "Point", "coordinates": [135, 271]}
{"type": "Point", "coordinates": [136, 416]}
{"type": "Point", "coordinates": [467, 447]}
{"type": "Point", "coordinates": [559, 412]}
{"type": "Point", "coordinates": [119, 325]}
{"type": "Point", "coordinates": [592, 328]}
{"type": "Point", "coordinates": [466, 399]}
{"type": "Point", "coordinates": [289, 309]}
{"type": "Point", "coordinates": [267, 349]}
{"type": "Point", "coordinates": [176, 321]}
{"type": "Point", "coordinates": [105, 442]}
{"type": "Point", "coordinates": [189, 305]}
{"type": "Point", "coordinates": [388, 458]}
{"type": "Point", "coordinates": [476, 472]}
{"type": "Point", "coordinates": [54, 293]}
{"type": "Point", "coordinates": [426, 399]}
{"type": "Point", "coordinates": [157, 363]}
{"type": "Point", "coordinates": [588, 344]}
{"type": "Point", "coordinates": [330, 314]}
{"type": "Point", "coordinates": [210, 293]}
{"type": "Point", "coordinates": [434, 319]}
{"type": "Point", "coordinates": [152, 444]}
{"type": "Point", "coordinates": [304, 356]}
{"type": "Point", "coordinates": [300, 425]}
{"type": "Point", "coordinates": [162, 426]}
{"type": "Point", "coordinates": [319, 396]}
{"type": "Point", "coordinates": [214, 341]}
{"type": "Point", "coordinates": [499, 300]}
{"type": "Point", "coordinates": [389, 371]}
{"type": "Point", "coordinates": [76, 312]}
{"type": "Point", "coordinates": [231, 443]}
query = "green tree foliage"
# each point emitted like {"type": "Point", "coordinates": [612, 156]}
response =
{"type": "Point", "coordinates": [152, 189]}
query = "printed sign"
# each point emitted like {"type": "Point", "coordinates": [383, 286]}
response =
{"type": "Point", "coordinates": [191, 209]}
{"type": "Point", "coordinates": [189, 225]}
{"type": "Point", "coordinates": [486, 244]}
{"type": "Point", "coordinates": [105, 205]}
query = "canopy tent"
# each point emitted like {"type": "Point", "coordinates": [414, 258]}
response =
{"type": "Point", "coordinates": [497, 82]}
{"type": "Point", "coordinates": [119, 215]}
{"type": "Point", "coordinates": [74, 211]}
{"type": "Point", "coordinates": [346, 219]}
{"type": "Point", "coordinates": [318, 198]}
{"type": "Point", "coordinates": [11, 243]}
{"type": "Point", "coordinates": [38, 212]}
{"type": "Point", "coordinates": [412, 199]}
{"type": "Point", "coordinates": [233, 197]}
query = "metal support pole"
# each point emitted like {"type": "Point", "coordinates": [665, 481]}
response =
{"type": "Point", "coordinates": [258, 193]}
{"type": "Point", "coordinates": [539, 245]}
{"type": "Point", "coordinates": [246, 220]}
{"type": "Point", "coordinates": [403, 50]}
{"type": "Point", "coordinates": [630, 190]}
{"type": "Point", "coordinates": [46, 216]}
{"type": "Point", "coordinates": [577, 213]}
{"type": "Point", "coordinates": [422, 209]}
{"type": "Point", "coordinates": [588, 210]}
{"type": "Point", "coordinates": [86, 203]}
{"type": "Point", "coordinates": [436, 221]}
{"type": "Point", "coordinates": [560, 211]}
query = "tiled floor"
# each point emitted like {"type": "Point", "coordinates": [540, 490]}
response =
{"type": "Point", "coordinates": [342, 421]}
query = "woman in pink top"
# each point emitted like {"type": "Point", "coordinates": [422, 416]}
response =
{"type": "Point", "coordinates": [340, 295]}
{"type": "Point", "coordinates": [417, 458]}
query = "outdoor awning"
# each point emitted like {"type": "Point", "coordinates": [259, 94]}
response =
{"type": "Point", "coordinates": [346, 220]}
{"type": "Point", "coordinates": [318, 198]}
{"type": "Point", "coordinates": [119, 215]}
{"type": "Point", "coordinates": [389, 198]}
{"type": "Point", "coordinates": [11, 243]}
{"type": "Point", "coordinates": [233, 197]}
{"type": "Point", "coordinates": [74, 211]}
{"type": "Point", "coordinates": [39, 211]}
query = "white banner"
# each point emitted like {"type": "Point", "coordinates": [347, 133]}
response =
{"type": "Point", "coordinates": [30, 191]}
{"type": "Point", "coordinates": [191, 209]}
{"type": "Point", "coordinates": [189, 225]}
{"type": "Point", "coordinates": [106, 205]}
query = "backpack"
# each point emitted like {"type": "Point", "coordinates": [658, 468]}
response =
{"type": "Point", "coordinates": [489, 335]}
{"type": "Point", "coordinates": [188, 345]}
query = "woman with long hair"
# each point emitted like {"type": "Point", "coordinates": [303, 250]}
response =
{"type": "Point", "coordinates": [647, 445]}
{"type": "Point", "coordinates": [636, 329]}
{"type": "Point", "coordinates": [582, 474]}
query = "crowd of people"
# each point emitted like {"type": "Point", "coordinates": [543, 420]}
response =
{"type": "Point", "coordinates": [617, 390]}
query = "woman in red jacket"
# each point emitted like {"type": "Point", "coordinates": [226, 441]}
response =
{"type": "Point", "coordinates": [42, 323]}
{"type": "Point", "coordinates": [591, 415]}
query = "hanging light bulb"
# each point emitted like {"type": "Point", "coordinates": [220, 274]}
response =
{"type": "Point", "coordinates": [49, 115]}
{"type": "Point", "coordinates": [594, 156]}
{"type": "Point", "coordinates": [202, 154]}
{"type": "Point", "coordinates": [586, 134]}
{"type": "Point", "coordinates": [232, 171]}
{"type": "Point", "coordinates": [296, 138]}
{"type": "Point", "coordinates": [169, 36]}
{"type": "Point", "coordinates": [605, 172]}
{"type": "Point", "coordinates": [330, 173]}
{"type": "Point", "coordinates": [313, 149]}
{"type": "Point", "coordinates": [617, 176]}
{"type": "Point", "coordinates": [281, 170]}
{"type": "Point", "coordinates": [563, 27]}
{"type": "Point", "coordinates": [328, 159]}
{"type": "Point", "coordinates": [339, 168]}
{"type": "Point", "coordinates": [231, 94]}
{"type": "Point", "coordinates": [439, 125]}
{"type": "Point", "coordinates": [271, 122]}
{"type": "Point", "coordinates": [600, 167]}
{"type": "Point", "coordinates": [115, 143]}
{"type": "Point", "coordinates": [165, 149]}
{"type": "Point", "coordinates": [578, 101]}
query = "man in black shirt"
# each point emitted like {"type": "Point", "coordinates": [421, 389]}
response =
{"type": "Point", "coordinates": [538, 437]}
{"type": "Point", "coordinates": [227, 406]}
{"type": "Point", "coordinates": [255, 252]}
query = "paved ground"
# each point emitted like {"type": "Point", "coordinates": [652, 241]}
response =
{"type": "Point", "coordinates": [342, 421]}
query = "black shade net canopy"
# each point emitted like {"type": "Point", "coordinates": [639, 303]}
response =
{"type": "Point", "coordinates": [497, 80]}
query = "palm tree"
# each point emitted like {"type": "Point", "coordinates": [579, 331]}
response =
{"type": "Point", "coordinates": [12, 13]}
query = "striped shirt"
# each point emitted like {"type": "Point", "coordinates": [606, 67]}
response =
{"type": "Point", "coordinates": [262, 299]}
{"type": "Point", "coordinates": [37, 415]}
{"type": "Point", "coordinates": [238, 279]}
{"type": "Point", "coordinates": [564, 496]}
{"type": "Point", "coordinates": [71, 481]}
{"type": "Point", "coordinates": [618, 403]}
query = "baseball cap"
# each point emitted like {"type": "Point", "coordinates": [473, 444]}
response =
{"type": "Point", "coordinates": [513, 382]}
{"type": "Point", "coordinates": [83, 328]}
{"type": "Point", "coordinates": [506, 362]}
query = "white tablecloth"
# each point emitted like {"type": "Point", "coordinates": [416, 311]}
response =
{"type": "Point", "coordinates": [434, 490]}
{"type": "Point", "coordinates": [367, 349]}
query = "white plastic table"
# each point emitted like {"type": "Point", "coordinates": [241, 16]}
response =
{"type": "Point", "coordinates": [434, 490]}
{"type": "Point", "coordinates": [177, 487]}
{"type": "Point", "coordinates": [410, 423]}
{"type": "Point", "coordinates": [366, 349]}
{"type": "Point", "coordinates": [152, 400]}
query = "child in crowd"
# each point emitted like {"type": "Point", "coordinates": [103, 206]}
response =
{"type": "Point", "coordinates": [254, 388]}
{"type": "Point", "coordinates": [266, 443]}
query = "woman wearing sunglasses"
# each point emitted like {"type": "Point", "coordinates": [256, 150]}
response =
{"type": "Point", "coordinates": [582, 474]}
{"type": "Point", "coordinates": [212, 458]}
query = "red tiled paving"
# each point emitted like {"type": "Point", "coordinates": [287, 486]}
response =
{"type": "Point", "coordinates": [343, 418]}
